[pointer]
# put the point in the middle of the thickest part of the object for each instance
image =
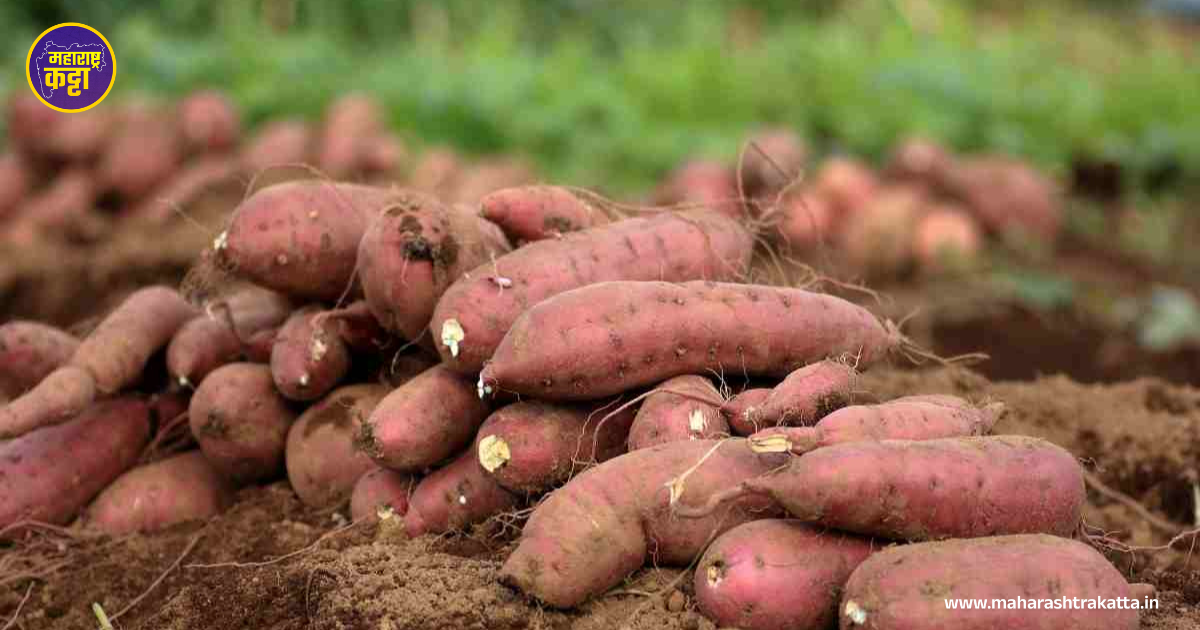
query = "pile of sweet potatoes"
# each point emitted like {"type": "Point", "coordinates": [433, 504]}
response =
{"type": "Point", "coordinates": [436, 364]}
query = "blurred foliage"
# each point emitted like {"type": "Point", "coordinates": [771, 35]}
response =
{"type": "Point", "coordinates": [613, 93]}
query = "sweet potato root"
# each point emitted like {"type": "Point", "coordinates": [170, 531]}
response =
{"type": "Point", "coordinates": [381, 491]}
{"type": "Point", "coordinates": [679, 412]}
{"type": "Point", "coordinates": [533, 213]}
{"type": "Point", "coordinates": [804, 397]}
{"type": "Point", "coordinates": [323, 463]}
{"type": "Point", "coordinates": [928, 490]}
{"type": "Point", "coordinates": [607, 338]}
{"type": "Point", "coordinates": [908, 418]}
{"type": "Point", "coordinates": [475, 313]}
{"type": "Point", "coordinates": [29, 351]}
{"type": "Point", "coordinates": [50, 474]}
{"type": "Point", "coordinates": [413, 251]}
{"type": "Point", "coordinates": [907, 586]}
{"type": "Point", "coordinates": [309, 358]}
{"type": "Point", "coordinates": [209, 121]}
{"type": "Point", "coordinates": [589, 535]}
{"type": "Point", "coordinates": [423, 422]}
{"type": "Point", "coordinates": [531, 447]}
{"type": "Point", "coordinates": [149, 498]}
{"type": "Point", "coordinates": [218, 337]}
{"type": "Point", "coordinates": [776, 574]}
{"type": "Point", "coordinates": [456, 496]}
{"type": "Point", "coordinates": [240, 422]}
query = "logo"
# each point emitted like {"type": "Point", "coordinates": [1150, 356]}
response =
{"type": "Point", "coordinates": [71, 67]}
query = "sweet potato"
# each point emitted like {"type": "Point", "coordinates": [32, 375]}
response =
{"type": "Point", "coordinates": [322, 461]}
{"type": "Point", "coordinates": [928, 490]}
{"type": "Point", "coordinates": [945, 239]}
{"type": "Point", "coordinates": [357, 327]}
{"type": "Point", "coordinates": [149, 498]}
{"type": "Point", "coordinates": [456, 496]}
{"type": "Point", "coordinates": [533, 213]}
{"type": "Point", "coordinates": [30, 122]}
{"type": "Point", "coordinates": [704, 183]}
{"type": "Point", "coordinates": [50, 474]}
{"type": "Point", "coordinates": [64, 393]}
{"type": "Point", "coordinates": [209, 121]}
{"type": "Point", "coordinates": [907, 586]}
{"type": "Point", "coordinates": [437, 172]}
{"type": "Point", "coordinates": [1007, 195]}
{"type": "Point", "coordinates": [475, 313]}
{"type": "Point", "coordinates": [735, 409]}
{"type": "Point", "coordinates": [413, 251]}
{"type": "Point", "coordinates": [80, 137]}
{"type": "Point", "coordinates": [384, 155]}
{"type": "Point", "coordinates": [209, 341]}
{"type": "Point", "coordinates": [531, 447]}
{"type": "Point", "coordinates": [182, 190]}
{"type": "Point", "coordinates": [240, 422]}
{"type": "Point", "coordinates": [592, 533]}
{"type": "Point", "coordinates": [849, 185]}
{"type": "Point", "coordinates": [804, 397]}
{"type": "Point", "coordinates": [607, 338]}
{"type": "Point", "coordinates": [908, 418]}
{"type": "Point", "coordinates": [777, 158]}
{"type": "Point", "coordinates": [350, 124]}
{"type": "Point", "coordinates": [309, 358]}
{"type": "Point", "coordinates": [878, 239]}
{"type": "Point", "coordinates": [807, 220]}
{"type": "Point", "coordinates": [64, 203]}
{"type": "Point", "coordinates": [776, 574]}
{"type": "Point", "coordinates": [259, 345]}
{"type": "Point", "coordinates": [140, 156]}
{"type": "Point", "coordinates": [423, 422]}
{"type": "Point", "coordinates": [381, 491]}
{"type": "Point", "coordinates": [920, 160]}
{"type": "Point", "coordinates": [277, 143]}
{"type": "Point", "coordinates": [29, 351]}
{"type": "Point", "coordinates": [301, 238]}
{"type": "Point", "coordinates": [679, 412]}
{"type": "Point", "coordinates": [16, 180]}
{"type": "Point", "coordinates": [488, 176]}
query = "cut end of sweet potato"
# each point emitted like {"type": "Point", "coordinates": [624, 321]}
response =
{"type": "Point", "coordinates": [452, 335]}
{"type": "Point", "coordinates": [770, 444]}
{"type": "Point", "coordinates": [856, 614]}
{"type": "Point", "coordinates": [484, 387]}
{"type": "Point", "coordinates": [715, 573]}
{"type": "Point", "coordinates": [494, 453]}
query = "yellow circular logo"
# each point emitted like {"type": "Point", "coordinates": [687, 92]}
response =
{"type": "Point", "coordinates": [71, 67]}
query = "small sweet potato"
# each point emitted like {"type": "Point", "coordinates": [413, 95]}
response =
{"type": "Point", "coordinates": [16, 181]}
{"type": "Point", "coordinates": [907, 586]}
{"type": "Point", "coordinates": [50, 474]}
{"type": "Point", "coordinates": [149, 498]}
{"type": "Point", "coordinates": [878, 239]}
{"type": "Point", "coordinates": [804, 397]}
{"type": "Point", "coordinates": [209, 121]}
{"type": "Point", "coordinates": [357, 327]}
{"type": "Point", "coordinates": [592, 533]}
{"type": "Point", "coordinates": [1007, 195]}
{"type": "Point", "coordinates": [807, 221]}
{"type": "Point", "coordinates": [381, 491]}
{"type": "Point", "coordinates": [607, 338]}
{"type": "Point", "coordinates": [63, 203]}
{"type": "Point", "coordinates": [777, 158]}
{"type": "Point", "coordinates": [908, 418]}
{"type": "Point", "coordinates": [920, 160]}
{"type": "Point", "coordinates": [702, 183]}
{"type": "Point", "coordinates": [241, 422]}
{"type": "Point", "coordinates": [80, 137]}
{"type": "Point", "coordinates": [735, 409]}
{"type": "Point", "coordinates": [323, 463]}
{"type": "Point", "coordinates": [456, 496]}
{"type": "Point", "coordinates": [679, 412]}
{"type": "Point", "coordinates": [64, 393]}
{"type": "Point", "coordinates": [309, 358]}
{"type": "Point", "coordinates": [384, 155]}
{"type": "Point", "coordinates": [776, 574]}
{"type": "Point", "coordinates": [140, 156]}
{"type": "Point", "coordinates": [533, 213]}
{"type": "Point", "coordinates": [849, 185]}
{"type": "Point", "coordinates": [301, 238]}
{"type": "Point", "coordinates": [531, 447]}
{"type": "Point", "coordinates": [413, 251]}
{"type": "Point", "coordinates": [29, 351]}
{"type": "Point", "coordinates": [277, 143]}
{"type": "Point", "coordinates": [185, 188]}
{"type": "Point", "coordinates": [476, 312]}
{"type": "Point", "coordinates": [218, 337]}
{"type": "Point", "coordinates": [946, 238]}
{"type": "Point", "coordinates": [350, 123]}
{"type": "Point", "coordinates": [423, 422]}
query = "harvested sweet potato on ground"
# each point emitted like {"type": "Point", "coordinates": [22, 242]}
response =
{"type": "Point", "coordinates": [50, 474]}
{"type": "Point", "coordinates": [219, 336]}
{"type": "Point", "coordinates": [384, 155]}
{"type": "Point", "coordinates": [806, 221]}
{"type": "Point", "coordinates": [29, 351]}
{"type": "Point", "coordinates": [437, 172]}
{"type": "Point", "coordinates": [776, 574]}
{"type": "Point", "coordinates": [381, 491]}
{"type": "Point", "coordinates": [702, 183]}
{"type": "Point", "coordinates": [920, 160]}
{"type": "Point", "coordinates": [607, 338]}
{"type": "Point", "coordinates": [488, 176]}
{"type": "Point", "coordinates": [804, 397]}
{"type": "Point", "coordinates": [350, 124]}
{"type": "Point", "coordinates": [64, 203]}
{"type": "Point", "coordinates": [140, 157]}
{"type": "Point", "coordinates": [947, 238]}
{"type": "Point", "coordinates": [156, 496]}
{"type": "Point", "coordinates": [533, 213]}
{"type": "Point", "coordinates": [476, 312]}
{"type": "Point", "coordinates": [777, 158]}
{"type": "Point", "coordinates": [735, 409]}
{"type": "Point", "coordinates": [183, 189]}
{"type": "Point", "coordinates": [848, 184]}
{"type": "Point", "coordinates": [1007, 195]}
{"type": "Point", "coordinates": [592, 533]}
{"type": "Point", "coordinates": [686, 408]}
{"type": "Point", "coordinates": [907, 586]}
{"type": "Point", "coordinates": [209, 121]}
{"type": "Point", "coordinates": [456, 496]}
{"type": "Point", "coordinates": [241, 422]}
{"type": "Point", "coordinates": [277, 143]}
{"type": "Point", "coordinates": [878, 239]}
{"type": "Point", "coordinates": [309, 358]}
{"type": "Point", "coordinates": [323, 462]}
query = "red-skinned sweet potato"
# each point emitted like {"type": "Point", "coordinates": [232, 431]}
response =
{"type": "Point", "coordinates": [777, 158]}
{"type": "Point", "coordinates": [241, 422]}
{"type": "Point", "coordinates": [309, 358]}
{"type": "Point", "coordinates": [920, 160]}
{"type": "Point", "coordinates": [64, 203]}
{"type": "Point", "coordinates": [384, 155]}
{"type": "Point", "coordinates": [209, 121]}
{"type": "Point", "coordinates": [301, 238]}
{"type": "Point", "coordinates": [679, 412]}
{"type": "Point", "coordinates": [350, 124]}
{"type": "Point", "coordinates": [140, 156]}
{"type": "Point", "coordinates": [323, 462]}
{"type": "Point", "coordinates": [927, 490]}
{"type": "Point", "coordinates": [607, 338]}
{"type": "Point", "coordinates": [29, 351]}
{"type": "Point", "coordinates": [946, 238]}
{"type": "Point", "coordinates": [804, 397]}
{"type": "Point", "coordinates": [488, 176]}
{"type": "Point", "coordinates": [878, 239]}
{"type": "Point", "coordinates": [50, 474]}
{"type": "Point", "coordinates": [908, 418]}
{"type": "Point", "coordinates": [381, 491]}
{"type": "Point", "coordinates": [807, 221]}
{"type": "Point", "coordinates": [184, 188]}
{"type": "Point", "coordinates": [476, 312]}
{"type": "Point", "coordinates": [1007, 195]}
{"type": "Point", "coordinates": [704, 183]}
{"type": "Point", "coordinates": [533, 213]}
{"type": "Point", "coordinates": [209, 341]}
{"type": "Point", "coordinates": [413, 251]}
{"type": "Point", "coordinates": [149, 498]}
{"type": "Point", "coordinates": [423, 422]}
{"type": "Point", "coordinates": [848, 184]}
{"type": "Point", "coordinates": [776, 574]}
{"type": "Point", "coordinates": [592, 533]}
{"type": "Point", "coordinates": [456, 496]}
{"type": "Point", "coordinates": [907, 586]}
{"type": "Point", "coordinates": [531, 447]}
{"type": "Point", "coordinates": [277, 143]}
{"type": "Point", "coordinates": [16, 181]}
{"type": "Point", "coordinates": [437, 172]}
{"type": "Point", "coordinates": [735, 409]}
